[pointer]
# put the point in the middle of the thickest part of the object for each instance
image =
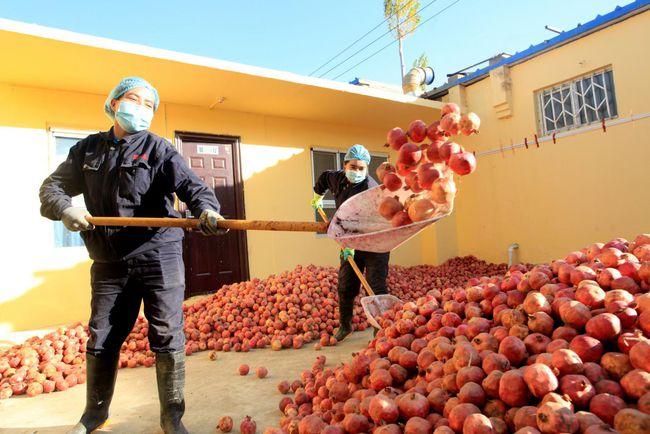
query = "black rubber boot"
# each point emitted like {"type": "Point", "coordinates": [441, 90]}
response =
{"type": "Point", "coordinates": [346, 308]}
{"type": "Point", "coordinates": [101, 373]}
{"type": "Point", "coordinates": [342, 332]}
{"type": "Point", "coordinates": [170, 373]}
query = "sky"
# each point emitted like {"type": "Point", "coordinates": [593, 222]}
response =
{"type": "Point", "coordinates": [299, 36]}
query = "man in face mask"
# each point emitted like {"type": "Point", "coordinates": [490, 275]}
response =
{"type": "Point", "coordinates": [344, 184]}
{"type": "Point", "coordinates": [128, 171]}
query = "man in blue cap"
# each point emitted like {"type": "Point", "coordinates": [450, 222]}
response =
{"type": "Point", "coordinates": [344, 184]}
{"type": "Point", "coordinates": [128, 171]}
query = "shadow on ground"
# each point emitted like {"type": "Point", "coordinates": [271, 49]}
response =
{"type": "Point", "coordinates": [213, 389]}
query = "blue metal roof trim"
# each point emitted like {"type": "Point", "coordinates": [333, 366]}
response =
{"type": "Point", "coordinates": [599, 21]}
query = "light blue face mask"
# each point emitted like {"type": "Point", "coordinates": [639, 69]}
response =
{"type": "Point", "coordinates": [354, 176]}
{"type": "Point", "coordinates": [133, 117]}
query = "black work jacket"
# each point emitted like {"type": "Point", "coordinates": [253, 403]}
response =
{"type": "Point", "coordinates": [337, 183]}
{"type": "Point", "coordinates": [133, 177]}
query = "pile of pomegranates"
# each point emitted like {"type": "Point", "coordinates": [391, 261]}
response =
{"type": "Point", "coordinates": [286, 310]}
{"type": "Point", "coordinates": [426, 169]}
{"type": "Point", "coordinates": [560, 348]}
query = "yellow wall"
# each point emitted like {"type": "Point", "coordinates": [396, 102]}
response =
{"type": "Point", "coordinates": [42, 285]}
{"type": "Point", "coordinates": [589, 187]}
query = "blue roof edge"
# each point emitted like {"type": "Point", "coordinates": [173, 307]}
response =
{"type": "Point", "coordinates": [564, 37]}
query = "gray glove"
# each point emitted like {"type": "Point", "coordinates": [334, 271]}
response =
{"type": "Point", "coordinates": [74, 219]}
{"type": "Point", "coordinates": [208, 223]}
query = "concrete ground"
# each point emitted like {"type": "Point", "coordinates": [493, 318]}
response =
{"type": "Point", "coordinates": [213, 389]}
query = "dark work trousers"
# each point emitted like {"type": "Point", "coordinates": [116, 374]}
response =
{"type": "Point", "coordinates": [375, 266]}
{"type": "Point", "coordinates": [155, 277]}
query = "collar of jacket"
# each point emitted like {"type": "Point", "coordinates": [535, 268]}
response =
{"type": "Point", "coordinates": [128, 139]}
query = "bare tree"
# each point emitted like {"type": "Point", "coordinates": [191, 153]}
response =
{"type": "Point", "coordinates": [403, 18]}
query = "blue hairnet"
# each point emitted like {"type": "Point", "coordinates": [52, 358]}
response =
{"type": "Point", "coordinates": [123, 87]}
{"type": "Point", "coordinates": [358, 152]}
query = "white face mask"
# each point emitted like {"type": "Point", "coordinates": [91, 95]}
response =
{"type": "Point", "coordinates": [355, 176]}
{"type": "Point", "coordinates": [133, 117]}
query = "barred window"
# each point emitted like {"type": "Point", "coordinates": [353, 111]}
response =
{"type": "Point", "coordinates": [576, 103]}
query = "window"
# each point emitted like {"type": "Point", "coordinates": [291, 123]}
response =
{"type": "Point", "coordinates": [326, 159]}
{"type": "Point", "coordinates": [62, 144]}
{"type": "Point", "coordinates": [578, 102]}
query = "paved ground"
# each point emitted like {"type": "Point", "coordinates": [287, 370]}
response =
{"type": "Point", "coordinates": [213, 389]}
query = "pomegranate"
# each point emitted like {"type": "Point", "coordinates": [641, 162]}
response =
{"type": "Point", "coordinates": [476, 423]}
{"type": "Point", "coordinates": [389, 207]}
{"type": "Point", "coordinates": [427, 175]}
{"type": "Point", "coordinates": [400, 219]}
{"type": "Point", "coordinates": [575, 314]}
{"type": "Point", "coordinates": [513, 349]}
{"type": "Point", "coordinates": [556, 418]}
{"type": "Point", "coordinates": [450, 107]}
{"type": "Point", "coordinates": [636, 383]}
{"type": "Point", "coordinates": [459, 414]}
{"type": "Point", "coordinates": [513, 389]}
{"type": "Point", "coordinates": [540, 379]}
{"type": "Point", "coordinates": [247, 426]}
{"type": "Point", "coordinates": [396, 138]}
{"type": "Point", "coordinates": [616, 364]}
{"type": "Point", "coordinates": [578, 388]}
{"type": "Point", "coordinates": [418, 425]}
{"type": "Point", "coordinates": [587, 348]}
{"type": "Point", "coordinates": [525, 416]}
{"type": "Point", "coordinates": [225, 424]}
{"type": "Point", "coordinates": [383, 169]}
{"type": "Point", "coordinates": [355, 423]}
{"type": "Point", "coordinates": [462, 163]}
{"type": "Point", "coordinates": [383, 409]}
{"type": "Point", "coordinates": [631, 421]}
{"type": "Point", "coordinates": [433, 131]}
{"type": "Point", "coordinates": [611, 387]}
{"type": "Point", "coordinates": [449, 123]}
{"type": "Point", "coordinates": [417, 131]}
{"type": "Point", "coordinates": [409, 154]}
{"type": "Point", "coordinates": [412, 405]}
{"type": "Point", "coordinates": [587, 419]}
{"type": "Point", "coordinates": [469, 124]}
{"type": "Point", "coordinates": [640, 355]}
{"type": "Point", "coordinates": [421, 209]}
{"type": "Point", "coordinates": [392, 182]}
{"type": "Point", "coordinates": [472, 393]}
{"type": "Point", "coordinates": [605, 406]}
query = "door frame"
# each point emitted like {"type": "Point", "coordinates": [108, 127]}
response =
{"type": "Point", "coordinates": [240, 209]}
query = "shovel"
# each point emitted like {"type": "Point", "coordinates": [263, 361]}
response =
{"type": "Point", "coordinates": [357, 224]}
{"type": "Point", "coordinates": [238, 225]}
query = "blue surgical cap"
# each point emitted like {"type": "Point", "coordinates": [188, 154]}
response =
{"type": "Point", "coordinates": [123, 87]}
{"type": "Point", "coordinates": [358, 152]}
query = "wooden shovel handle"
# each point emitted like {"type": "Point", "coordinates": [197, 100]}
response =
{"type": "Point", "coordinates": [239, 225]}
{"type": "Point", "coordinates": [351, 260]}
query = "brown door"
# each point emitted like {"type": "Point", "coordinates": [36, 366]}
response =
{"type": "Point", "coordinates": [211, 262]}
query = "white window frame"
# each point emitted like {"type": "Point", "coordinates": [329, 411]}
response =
{"type": "Point", "coordinates": [53, 163]}
{"type": "Point", "coordinates": [575, 90]}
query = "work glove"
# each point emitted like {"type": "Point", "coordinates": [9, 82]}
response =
{"type": "Point", "coordinates": [208, 223]}
{"type": "Point", "coordinates": [317, 201]}
{"type": "Point", "coordinates": [74, 219]}
{"type": "Point", "coordinates": [347, 253]}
